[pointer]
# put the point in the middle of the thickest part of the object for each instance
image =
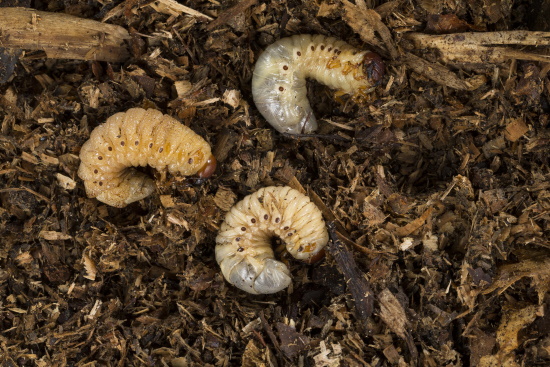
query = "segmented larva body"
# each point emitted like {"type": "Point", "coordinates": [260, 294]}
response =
{"type": "Point", "coordinates": [279, 80]}
{"type": "Point", "coordinates": [135, 138]}
{"type": "Point", "coordinates": [243, 244]}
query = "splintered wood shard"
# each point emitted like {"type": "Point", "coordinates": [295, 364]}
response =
{"type": "Point", "coordinates": [62, 36]}
{"type": "Point", "coordinates": [483, 47]}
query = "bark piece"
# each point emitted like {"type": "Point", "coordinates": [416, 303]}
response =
{"type": "Point", "coordinates": [8, 60]}
{"type": "Point", "coordinates": [292, 342]}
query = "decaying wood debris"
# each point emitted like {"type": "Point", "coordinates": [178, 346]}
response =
{"type": "Point", "coordinates": [437, 183]}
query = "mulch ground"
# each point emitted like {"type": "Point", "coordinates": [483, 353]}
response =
{"type": "Point", "coordinates": [438, 194]}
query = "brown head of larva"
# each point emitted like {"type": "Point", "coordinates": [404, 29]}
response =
{"type": "Point", "coordinates": [208, 169]}
{"type": "Point", "coordinates": [373, 67]}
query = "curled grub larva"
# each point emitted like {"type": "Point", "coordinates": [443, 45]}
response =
{"type": "Point", "coordinates": [279, 80]}
{"type": "Point", "coordinates": [135, 138]}
{"type": "Point", "coordinates": [243, 244]}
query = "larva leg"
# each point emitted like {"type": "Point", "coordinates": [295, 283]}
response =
{"type": "Point", "coordinates": [279, 79]}
{"type": "Point", "coordinates": [243, 244]}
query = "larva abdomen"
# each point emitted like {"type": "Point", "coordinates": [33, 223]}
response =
{"type": "Point", "coordinates": [243, 244]}
{"type": "Point", "coordinates": [279, 80]}
{"type": "Point", "coordinates": [135, 138]}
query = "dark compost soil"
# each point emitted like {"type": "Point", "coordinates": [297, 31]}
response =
{"type": "Point", "coordinates": [439, 195]}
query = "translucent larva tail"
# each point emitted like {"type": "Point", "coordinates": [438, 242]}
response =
{"type": "Point", "coordinates": [272, 277]}
{"type": "Point", "coordinates": [135, 186]}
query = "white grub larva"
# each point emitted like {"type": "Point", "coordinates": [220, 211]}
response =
{"type": "Point", "coordinates": [279, 80]}
{"type": "Point", "coordinates": [135, 138]}
{"type": "Point", "coordinates": [243, 244]}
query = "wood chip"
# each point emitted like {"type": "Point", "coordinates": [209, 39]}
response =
{"type": "Point", "coordinates": [54, 236]}
{"type": "Point", "coordinates": [516, 129]}
{"type": "Point", "coordinates": [65, 182]}
{"type": "Point", "coordinates": [225, 198]}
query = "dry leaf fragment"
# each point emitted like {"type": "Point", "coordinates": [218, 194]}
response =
{"type": "Point", "coordinates": [367, 23]}
{"type": "Point", "coordinates": [326, 9]}
{"type": "Point", "coordinates": [512, 322]}
{"type": "Point", "coordinates": [89, 265]}
{"type": "Point", "coordinates": [509, 274]}
{"type": "Point", "coordinates": [447, 23]}
{"type": "Point", "coordinates": [507, 336]}
{"type": "Point", "coordinates": [357, 283]}
{"type": "Point", "coordinates": [415, 224]}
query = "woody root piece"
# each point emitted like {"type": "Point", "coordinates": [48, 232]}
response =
{"type": "Point", "coordinates": [484, 47]}
{"type": "Point", "coordinates": [62, 36]}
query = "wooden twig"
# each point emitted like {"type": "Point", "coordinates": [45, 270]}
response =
{"type": "Point", "coordinates": [439, 73]}
{"type": "Point", "coordinates": [483, 47]}
{"type": "Point", "coordinates": [355, 279]}
{"type": "Point", "coordinates": [62, 36]}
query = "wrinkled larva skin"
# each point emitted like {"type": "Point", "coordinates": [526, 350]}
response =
{"type": "Point", "coordinates": [279, 80]}
{"type": "Point", "coordinates": [135, 138]}
{"type": "Point", "coordinates": [243, 244]}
